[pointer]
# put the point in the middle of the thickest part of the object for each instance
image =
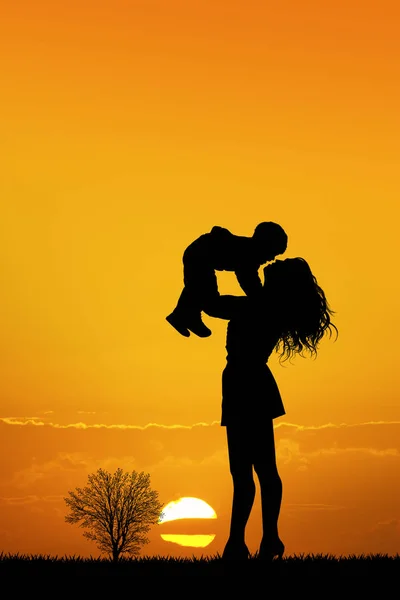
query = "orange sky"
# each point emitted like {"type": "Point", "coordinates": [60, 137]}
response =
{"type": "Point", "coordinates": [128, 129]}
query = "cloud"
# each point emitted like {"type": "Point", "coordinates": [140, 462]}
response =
{"type": "Point", "coordinates": [28, 500]}
{"type": "Point", "coordinates": [314, 507]}
{"type": "Point", "coordinates": [19, 501]}
{"type": "Point", "coordinates": [36, 422]}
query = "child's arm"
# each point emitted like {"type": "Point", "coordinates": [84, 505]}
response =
{"type": "Point", "coordinates": [226, 306]}
{"type": "Point", "coordinates": [249, 279]}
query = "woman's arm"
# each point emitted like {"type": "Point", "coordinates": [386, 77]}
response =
{"type": "Point", "coordinates": [226, 306]}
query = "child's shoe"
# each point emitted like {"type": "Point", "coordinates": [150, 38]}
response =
{"type": "Point", "coordinates": [198, 327]}
{"type": "Point", "coordinates": [178, 324]}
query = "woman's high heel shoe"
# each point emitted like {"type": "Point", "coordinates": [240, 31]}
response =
{"type": "Point", "coordinates": [235, 552]}
{"type": "Point", "coordinates": [272, 550]}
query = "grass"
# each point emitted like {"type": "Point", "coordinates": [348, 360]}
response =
{"type": "Point", "coordinates": [365, 570]}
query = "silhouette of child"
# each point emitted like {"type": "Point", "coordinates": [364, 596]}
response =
{"type": "Point", "coordinates": [221, 250]}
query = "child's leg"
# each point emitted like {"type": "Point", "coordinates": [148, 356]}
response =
{"type": "Point", "coordinates": [186, 316]}
{"type": "Point", "coordinates": [200, 287]}
{"type": "Point", "coordinates": [175, 319]}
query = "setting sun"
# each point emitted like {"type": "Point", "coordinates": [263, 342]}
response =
{"type": "Point", "coordinates": [187, 508]}
{"type": "Point", "coordinates": [191, 541]}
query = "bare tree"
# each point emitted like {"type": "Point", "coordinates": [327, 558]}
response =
{"type": "Point", "coordinates": [117, 510]}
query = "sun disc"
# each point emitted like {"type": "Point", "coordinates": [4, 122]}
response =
{"type": "Point", "coordinates": [187, 508]}
{"type": "Point", "coordinates": [190, 541]}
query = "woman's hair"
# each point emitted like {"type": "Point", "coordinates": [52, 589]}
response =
{"type": "Point", "coordinates": [303, 315]}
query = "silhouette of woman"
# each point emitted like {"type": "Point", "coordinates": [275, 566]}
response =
{"type": "Point", "coordinates": [291, 316]}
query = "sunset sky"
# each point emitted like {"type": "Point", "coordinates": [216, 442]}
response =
{"type": "Point", "coordinates": [128, 129]}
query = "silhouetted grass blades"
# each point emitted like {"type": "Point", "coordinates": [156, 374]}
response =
{"type": "Point", "coordinates": [364, 568]}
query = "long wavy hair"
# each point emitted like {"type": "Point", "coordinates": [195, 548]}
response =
{"type": "Point", "coordinates": [301, 311]}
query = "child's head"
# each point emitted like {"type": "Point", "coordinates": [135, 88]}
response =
{"type": "Point", "coordinates": [271, 240]}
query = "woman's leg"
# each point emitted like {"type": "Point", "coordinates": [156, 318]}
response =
{"type": "Point", "coordinates": [271, 488]}
{"type": "Point", "coordinates": [241, 469]}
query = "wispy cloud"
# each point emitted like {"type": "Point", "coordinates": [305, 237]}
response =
{"type": "Point", "coordinates": [36, 422]}
{"type": "Point", "coordinates": [315, 506]}
{"type": "Point", "coordinates": [29, 499]}
{"type": "Point", "coordinates": [283, 424]}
